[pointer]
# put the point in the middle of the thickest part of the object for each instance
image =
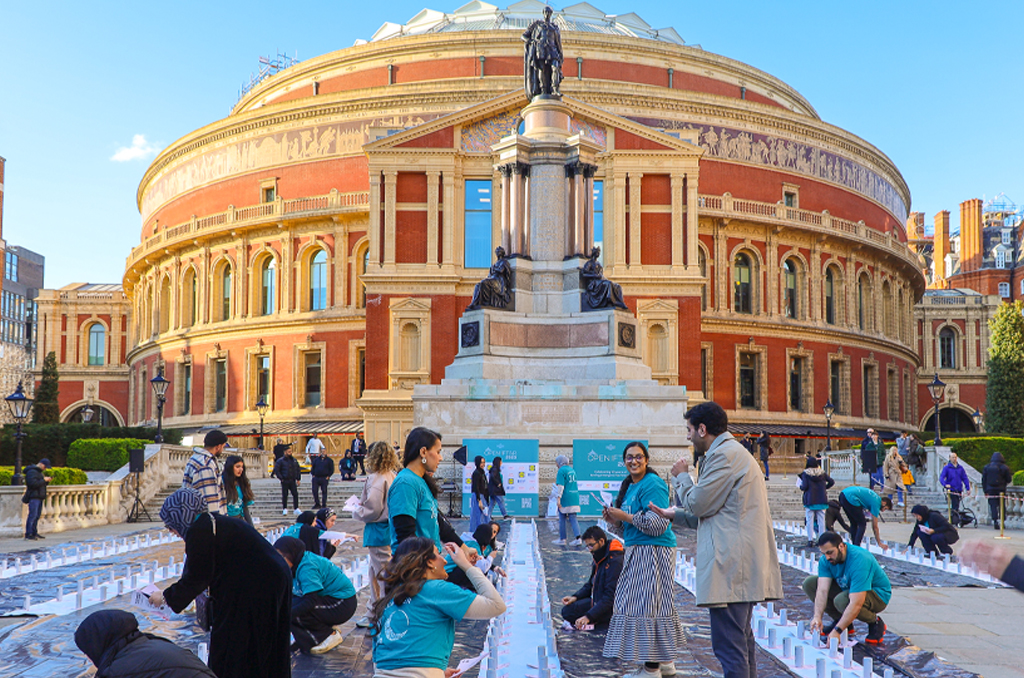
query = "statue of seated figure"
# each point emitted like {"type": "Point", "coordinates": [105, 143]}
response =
{"type": "Point", "coordinates": [494, 291]}
{"type": "Point", "coordinates": [599, 292]}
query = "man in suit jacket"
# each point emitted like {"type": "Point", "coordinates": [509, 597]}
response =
{"type": "Point", "coordinates": [359, 451]}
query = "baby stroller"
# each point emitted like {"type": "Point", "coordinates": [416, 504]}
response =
{"type": "Point", "coordinates": [962, 518]}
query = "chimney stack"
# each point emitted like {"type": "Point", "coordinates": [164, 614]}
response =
{"type": "Point", "coordinates": [940, 247]}
{"type": "Point", "coordinates": [971, 254]}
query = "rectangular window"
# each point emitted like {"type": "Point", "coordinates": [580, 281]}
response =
{"type": "Point", "coordinates": [599, 218]}
{"type": "Point", "coordinates": [835, 372]}
{"type": "Point", "coordinates": [11, 268]}
{"type": "Point", "coordinates": [704, 371]}
{"type": "Point", "coordinates": [1000, 259]}
{"type": "Point", "coordinates": [796, 375]}
{"type": "Point", "coordinates": [1007, 237]}
{"type": "Point", "coordinates": [478, 245]}
{"type": "Point", "coordinates": [220, 375]}
{"type": "Point", "coordinates": [748, 380]}
{"type": "Point", "coordinates": [313, 363]}
{"type": "Point", "coordinates": [186, 381]}
{"type": "Point", "coordinates": [870, 388]}
{"type": "Point", "coordinates": [263, 378]}
{"type": "Point", "coordinates": [269, 195]}
{"type": "Point", "coordinates": [790, 199]}
{"type": "Point", "coordinates": [1004, 290]}
{"type": "Point", "coordinates": [361, 358]}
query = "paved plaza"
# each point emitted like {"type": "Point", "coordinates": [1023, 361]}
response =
{"type": "Point", "coordinates": [940, 624]}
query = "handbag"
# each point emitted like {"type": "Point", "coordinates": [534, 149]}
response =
{"type": "Point", "coordinates": [204, 601]}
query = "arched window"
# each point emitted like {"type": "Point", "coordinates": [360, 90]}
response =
{"type": "Point", "coordinates": [830, 296]}
{"type": "Point", "coordinates": [742, 286]}
{"type": "Point", "coordinates": [947, 348]}
{"type": "Point", "coordinates": [702, 262]}
{"type": "Point", "coordinates": [658, 348]}
{"type": "Point", "coordinates": [268, 278]}
{"type": "Point", "coordinates": [223, 287]}
{"type": "Point", "coordinates": [97, 344]}
{"type": "Point", "coordinates": [189, 299]}
{"type": "Point", "coordinates": [863, 299]}
{"type": "Point", "coordinates": [789, 298]}
{"type": "Point", "coordinates": [318, 281]}
{"type": "Point", "coordinates": [410, 335]}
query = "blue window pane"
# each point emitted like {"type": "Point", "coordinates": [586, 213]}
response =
{"type": "Point", "coordinates": [478, 195]}
{"type": "Point", "coordinates": [478, 243]}
{"type": "Point", "coordinates": [598, 196]}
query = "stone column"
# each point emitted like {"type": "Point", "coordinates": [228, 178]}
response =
{"type": "Point", "coordinates": [375, 204]}
{"type": "Point", "coordinates": [242, 298]}
{"type": "Point", "coordinates": [635, 210]}
{"type": "Point", "coordinates": [340, 269]}
{"type": "Point", "coordinates": [433, 189]}
{"type": "Point", "coordinates": [449, 210]}
{"type": "Point", "coordinates": [692, 219]}
{"type": "Point", "coordinates": [771, 273]}
{"type": "Point", "coordinates": [506, 206]}
{"type": "Point", "coordinates": [679, 237]}
{"type": "Point", "coordinates": [289, 293]}
{"type": "Point", "coordinates": [390, 206]}
{"type": "Point", "coordinates": [722, 289]}
{"type": "Point", "coordinates": [617, 192]}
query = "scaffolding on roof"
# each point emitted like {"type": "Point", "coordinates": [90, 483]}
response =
{"type": "Point", "coordinates": [268, 67]}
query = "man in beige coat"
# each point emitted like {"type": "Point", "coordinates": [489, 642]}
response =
{"type": "Point", "coordinates": [737, 564]}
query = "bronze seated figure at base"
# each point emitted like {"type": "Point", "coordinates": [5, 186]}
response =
{"type": "Point", "coordinates": [495, 291]}
{"type": "Point", "coordinates": [598, 292]}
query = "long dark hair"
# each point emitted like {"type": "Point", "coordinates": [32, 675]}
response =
{"type": "Point", "coordinates": [418, 438]}
{"type": "Point", "coordinates": [228, 474]}
{"type": "Point", "coordinates": [629, 478]}
{"type": "Point", "coordinates": [496, 463]}
{"type": "Point", "coordinates": [404, 575]}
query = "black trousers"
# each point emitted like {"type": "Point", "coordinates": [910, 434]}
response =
{"type": "Point", "coordinates": [732, 640]}
{"type": "Point", "coordinates": [935, 542]}
{"type": "Point", "coordinates": [320, 488]}
{"type": "Point", "coordinates": [286, 487]}
{"type": "Point", "coordinates": [314, 618]}
{"type": "Point", "coordinates": [360, 460]}
{"type": "Point", "coordinates": [858, 523]}
{"type": "Point", "coordinates": [993, 509]}
{"type": "Point", "coordinates": [574, 611]}
{"type": "Point", "coordinates": [954, 501]}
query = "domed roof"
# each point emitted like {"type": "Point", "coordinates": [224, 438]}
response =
{"type": "Point", "coordinates": [481, 16]}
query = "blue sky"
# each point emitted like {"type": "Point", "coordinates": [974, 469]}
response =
{"type": "Point", "coordinates": [90, 92]}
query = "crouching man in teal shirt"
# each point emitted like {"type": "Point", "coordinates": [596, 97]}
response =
{"type": "Point", "coordinates": [850, 585]}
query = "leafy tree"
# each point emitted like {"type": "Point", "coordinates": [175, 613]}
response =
{"type": "Point", "coordinates": [1004, 400]}
{"type": "Point", "coordinates": [46, 410]}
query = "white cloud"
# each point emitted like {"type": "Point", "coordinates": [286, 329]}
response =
{"type": "Point", "coordinates": [139, 150]}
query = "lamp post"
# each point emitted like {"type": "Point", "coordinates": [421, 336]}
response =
{"type": "Point", "coordinates": [86, 414]}
{"type": "Point", "coordinates": [829, 409]}
{"type": "Point", "coordinates": [19, 404]}
{"type": "Point", "coordinates": [261, 408]}
{"type": "Point", "coordinates": [979, 420]}
{"type": "Point", "coordinates": [160, 389]}
{"type": "Point", "coordinates": [937, 389]}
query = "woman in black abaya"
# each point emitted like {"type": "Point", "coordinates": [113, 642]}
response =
{"type": "Point", "coordinates": [250, 588]}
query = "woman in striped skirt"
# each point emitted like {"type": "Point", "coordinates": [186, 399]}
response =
{"type": "Point", "coordinates": [644, 626]}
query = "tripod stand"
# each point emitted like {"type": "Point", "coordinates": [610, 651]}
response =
{"type": "Point", "coordinates": [138, 508]}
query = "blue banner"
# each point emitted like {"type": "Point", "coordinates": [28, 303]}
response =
{"type": "Point", "coordinates": [599, 468]}
{"type": "Point", "coordinates": [520, 470]}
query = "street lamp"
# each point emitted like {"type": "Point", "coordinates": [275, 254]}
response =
{"type": "Point", "coordinates": [87, 413]}
{"type": "Point", "coordinates": [937, 389]}
{"type": "Point", "coordinates": [829, 410]}
{"type": "Point", "coordinates": [261, 408]}
{"type": "Point", "coordinates": [979, 420]}
{"type": "Point", "coordinates": [160, 389]}
{"type": "Point", "coordinates": [19, 404]}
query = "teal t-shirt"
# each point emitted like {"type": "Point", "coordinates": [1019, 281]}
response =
{"type": "Point", "coordinates": [316, 574]}
{"type": "Point", "coordinates": [864, 498]}
{"type": "Point", "coordinates": [292, 530]}
{"type": "Point", "coordinates": [377, 534]}
{"type": "Point", "coordinates": [570, 490]}
{"type": "Point", "coordinates": [420, 632]}
{"type": "Point", "coordinates": [410, 496]}
{"type": "Point", "coordinates": [485, 551]}
{"type": "Point", "coordinates": [859, 572]}
{"type": "Point", "coordinates": [638, 495]}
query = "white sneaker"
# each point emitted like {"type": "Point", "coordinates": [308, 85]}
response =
{"type": "Point", "coordinates": [668, 668]}
{"type": "Point", "coordinates": [576, 542]}
{"type": "Point", "coordinates": [558, 542]}
{"type": "Point", "coordinates": [284, 512]}
{"type": "Point", "coordinates": [365, 622]}
{"type": "Point", "coordinates": [332, 641]}
{"type": "Point", "coordinates": [642, 672]}
{"type": "Point", "coordinates": [298, 512]}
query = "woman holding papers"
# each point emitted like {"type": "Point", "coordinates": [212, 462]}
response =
{"type": "Point", "coordinates": [415, 628]}
{"type": "Point", "coordinates": [372, 508]}
{"type": "Point", "coordinates": [644, 626]}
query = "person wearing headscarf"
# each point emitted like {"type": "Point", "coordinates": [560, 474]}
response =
{"type": "Point", "coordinates": [935, 532]}
{"type": "Point", "coordinates": [568, 500]}
{"type": "Point", "coordinates": [249, 584]}
{"type": "Point", "coordinates": [323, 597]}
{"type": "Point", "coordinates": [112, 641]}
{"type": "Point", "coordinates": [305, 518]}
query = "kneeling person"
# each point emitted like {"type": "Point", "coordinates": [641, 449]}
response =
{"type": "Point", "coordinates": [592, 604]}
{"type": "Point", "coordinates": [934, 531]}
{"type": "Point", "coordinates": [322, 597]}
{"type": "Point", "coordinates": [850, 585]}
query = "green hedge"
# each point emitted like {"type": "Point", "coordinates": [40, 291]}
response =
{"type": "Point", "coordinates": [978, 451]}
{"type": "Point", "coordinates": [1018, 478]}
{"type": "Point", "coordinates": [52, 441]}
{"type": "Point", "coordinates": [103, 454]}
{"type": "Point", "coordinates": [61, 476]}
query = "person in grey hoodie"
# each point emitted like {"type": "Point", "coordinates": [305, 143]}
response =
{"type": "Point", "coordinates": [815, 483]}
{"type": "Point", "coordinates": [994, 479]}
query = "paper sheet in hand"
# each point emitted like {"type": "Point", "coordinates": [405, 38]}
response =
{"type": "Point", "coordinates": [467, 664]}
{"type": "Point", "coordinates": [140, 598]}
{"type": "Point", "coordinates": [331, 535]}
{"type": "Point", "coordinates": [605, 499]}
{"type": "Point", "coordinates": [352, 504]}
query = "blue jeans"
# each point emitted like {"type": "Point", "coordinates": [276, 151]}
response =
{"type": "Point", "coordinates": [499, 501]}
{"type": "Point", "coordinates": [815, 523]}
{"type": "Point", "coordinates": [732, 640]}
{"type": "Point", "coordinates": [764, 460]}
{"type": "Point", "coordinates": [476, 516]}
{"type": "Point", "coordinates": [571, 517]}
{"type": "Point", "coordinates": [35, 509]}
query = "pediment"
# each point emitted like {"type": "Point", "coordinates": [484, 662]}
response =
{"type": "Point", "coordinates": [410, 304]}
{"type": "Point", "coordinates": [656, 306]}
{"type": "Point", "coordinates": [477, 128]}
